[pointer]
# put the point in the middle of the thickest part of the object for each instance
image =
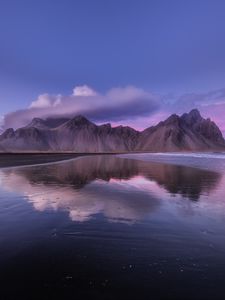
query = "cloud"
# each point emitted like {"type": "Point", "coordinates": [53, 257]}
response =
{"type": "Point", "coordinates": [83, 90]}
{"type": "Point", "coordinates": [41, 102]}
{"type": "Point", "coordinates": [200, 100]}
{"type": "Point", "coordinates": [127, 105]}
{"type": "Point", "coordinates": [117, 104]}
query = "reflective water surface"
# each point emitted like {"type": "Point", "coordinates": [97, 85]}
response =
{"type": "Point", "coordinates": [113, 228]}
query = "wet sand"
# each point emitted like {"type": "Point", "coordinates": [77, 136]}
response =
{"type": "Point", "coordinates": [21, 159]}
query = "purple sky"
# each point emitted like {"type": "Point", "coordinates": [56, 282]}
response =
{"type": "Point", "coordinates": [127, 62]}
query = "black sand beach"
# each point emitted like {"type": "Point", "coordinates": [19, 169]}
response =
{"type": "Point", "coordinates": [22, 159]}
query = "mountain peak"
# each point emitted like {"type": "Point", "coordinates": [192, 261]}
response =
{"type": "Point", "coordinates": [38, 120]}
{"type": "Point", "coordinates": [37, 123]}
{"type": "Point", "coordinates": [172, 119]}
{"type": "Point", "coordinates": [195, 113]}
{"type": "Point", "coordinates": [77, 122]}
{"type": "Point", "coordinates": [192, 117]}
{"type": "Point", "coordinates": [8, 133]}
{"type": "Point", "coordinates": [80, 119]}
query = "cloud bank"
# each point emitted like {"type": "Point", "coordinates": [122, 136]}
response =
{"type": "Point", "coordinates": [117, 104]}
{"type": "Point", "coordinates": [128, 106]}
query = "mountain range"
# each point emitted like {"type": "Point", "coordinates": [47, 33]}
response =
{"type": "Point", "coordinates": [188, 132]}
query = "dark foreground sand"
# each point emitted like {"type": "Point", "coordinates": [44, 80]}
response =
{"type": "Point", "coordinates": [20, 159]}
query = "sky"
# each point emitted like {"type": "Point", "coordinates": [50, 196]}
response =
{"type": "Point", "coordinates": [132, 62]}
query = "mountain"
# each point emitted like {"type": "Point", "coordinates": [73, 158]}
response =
{"type": "Point", "coordinates": [189, 132]}
{"type": "Point", "coordinates": [48, 123]}
{"type": "Point", "coordinates": [77, 134]}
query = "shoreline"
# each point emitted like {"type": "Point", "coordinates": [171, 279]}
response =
{"type": "Point", "coordinates": [16, 159]}
{"type": "Point", "coordinates": [208, 161]}
{"type": "Point", "coordinates": [27, 159]}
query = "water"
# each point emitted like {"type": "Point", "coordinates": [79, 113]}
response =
{"type": "Point", "coordinates": [140, 226]}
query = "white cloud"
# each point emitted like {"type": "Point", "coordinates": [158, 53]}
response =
{"type": "Point", "coordinates": [57, 101]}
{"type": "Point", "coordinates": [117, 104]}
{"type": "Point", "coordinates": [83, 91]}
{"type": "Point", "coordinates": [127, 105]}
{"type": "Point", "coordinates": [42, 101]}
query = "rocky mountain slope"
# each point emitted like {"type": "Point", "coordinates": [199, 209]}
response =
{"type": "Point", "coordinates": [189, 132]}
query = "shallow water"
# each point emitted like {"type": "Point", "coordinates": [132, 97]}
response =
{"type": "Point", "coordinates": [134, 227]}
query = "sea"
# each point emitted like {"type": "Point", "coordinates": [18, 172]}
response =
{"type": "Point", "coordinates": [129, 226]}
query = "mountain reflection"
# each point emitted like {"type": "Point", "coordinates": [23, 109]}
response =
{"type": "Point", "coordinates": [186, 181]}
{"type": "Point", "coordinates": [123, 190]}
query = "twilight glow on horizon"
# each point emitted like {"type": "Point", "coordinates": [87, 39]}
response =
{"type": "Point", "coordinates": [125, 62]}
